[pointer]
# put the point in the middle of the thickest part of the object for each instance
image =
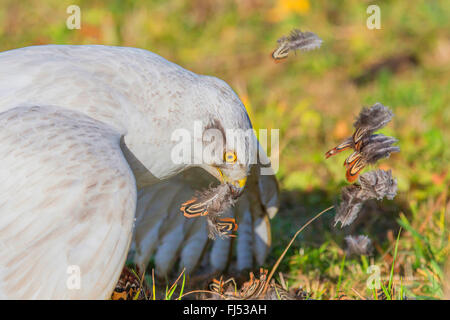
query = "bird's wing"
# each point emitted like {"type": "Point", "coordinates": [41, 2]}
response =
{"type": "Point", "coordinates": [67, 204]}
{"type": "Point", "coordinates": [163, 232]}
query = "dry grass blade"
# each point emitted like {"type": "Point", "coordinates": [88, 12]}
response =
{"type": "Point", "coordinates": [289, 245]}
{"type": "Point", "coordinates": [283, 283]}
{"type": "Point", "coordinates": [141, 285]}
{"type": "Point", "coordinates": [201, 291]}
{"type": "Point", "coordinates": [176, 281]}
{"type": "Point", "coordinates": [358, 294]}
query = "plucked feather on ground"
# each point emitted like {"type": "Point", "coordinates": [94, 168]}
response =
{"type": "Point", "coordinates": [253, 289]}
{"type": "Point", "coordinates": [130, 287]}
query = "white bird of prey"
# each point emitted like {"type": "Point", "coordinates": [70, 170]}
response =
{"type": "Point", "coordinates": [86, 147]}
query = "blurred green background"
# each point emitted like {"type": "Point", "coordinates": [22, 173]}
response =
{"type": "Point", "coordinates": [312, 98]}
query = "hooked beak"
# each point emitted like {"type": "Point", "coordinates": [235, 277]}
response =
{"type": "Point", "coordinates": [237, 186]}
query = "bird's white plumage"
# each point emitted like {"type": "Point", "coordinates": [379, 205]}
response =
{"type": "Point", "coordinates": [85, 139]}
{"type": "Point", "coordinates": [66, 191]}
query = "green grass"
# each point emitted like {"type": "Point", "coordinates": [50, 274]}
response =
{"type": "Point", "coordinates": [312, 98]}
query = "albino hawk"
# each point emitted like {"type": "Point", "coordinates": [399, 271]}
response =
{"type": "Point", "coordinates": [86, 142]}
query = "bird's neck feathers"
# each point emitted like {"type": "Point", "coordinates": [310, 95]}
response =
{"type": "Point", "coordinates": [145, 97]}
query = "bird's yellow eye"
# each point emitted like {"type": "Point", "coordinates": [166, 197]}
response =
{"type": "Point", "coordinates": [230, 157]}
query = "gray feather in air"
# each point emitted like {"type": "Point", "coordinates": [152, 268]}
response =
{"type": "Point", "coordinates": [369, 148]}
{"type": "Point", "coordinates": [360, 245]}
{"type": "Point", "coordinates": [367, 122]}
{"type": "Point", "coordinates": [373, 118]}
{"type": "Point", "coordinates": [377, 184]}
{"type": "Point", "coordinates": [349, 207]}
{"type": "Point", "coordinates": [297, 40]}
{"type": "Point", "coordinates": [377, 147]}
{"type": "Point", "coordinates": [304, 41]}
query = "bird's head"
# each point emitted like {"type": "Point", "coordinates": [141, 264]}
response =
{"type": "Point", "coordinates": [229, 171]}
{"type": "Point", "coordinates": [228, 140]}
{"type": "Point", "coordinates": [196, 121]}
